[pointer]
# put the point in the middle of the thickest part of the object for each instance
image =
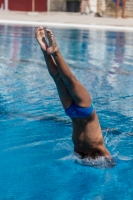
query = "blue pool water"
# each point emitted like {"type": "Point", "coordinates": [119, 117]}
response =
{"type": "Point", "coordinates": [36, 151]}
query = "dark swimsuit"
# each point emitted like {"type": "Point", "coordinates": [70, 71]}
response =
{"type": "Point", "coordinates": [74, 111]}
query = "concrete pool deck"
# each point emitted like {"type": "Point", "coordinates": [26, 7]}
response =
{"type": "Point", "coordinates": [65, 19]}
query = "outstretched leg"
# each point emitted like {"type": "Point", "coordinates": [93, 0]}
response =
{"type": "Point", "coordinates": [77, 91]}
{"type": "Point", "coordinates": [64, 95]}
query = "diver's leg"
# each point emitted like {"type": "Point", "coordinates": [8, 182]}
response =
{"type": "Point", "coordinates": [63, 92]}
{"type": "Point", "coordinates": [64, 95]}
{"type": "Point", "coordinates": [77, 91]}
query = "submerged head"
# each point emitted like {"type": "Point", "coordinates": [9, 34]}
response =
{"type": "Point", "coordinates": [100, 162]}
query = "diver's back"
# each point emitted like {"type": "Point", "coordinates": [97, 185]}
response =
{"type": "Point", "coordinates": [87, 136]}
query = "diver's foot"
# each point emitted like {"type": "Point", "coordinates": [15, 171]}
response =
{"type": "Point", "coordinates": [40, 36]}
{"type": "Point", "coordinates": [52, 46]}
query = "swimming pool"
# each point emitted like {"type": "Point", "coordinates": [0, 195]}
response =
{"type": "Point", "coordinates": [36, 150]}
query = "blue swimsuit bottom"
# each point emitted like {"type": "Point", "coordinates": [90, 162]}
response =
{"type": "Point", "coordinates": [75, 111]}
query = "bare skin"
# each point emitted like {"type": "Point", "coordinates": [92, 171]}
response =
{"type": "Point", "coordinates": [123, 8]}
{"type": "Point", "coordinates": [87, 135]}
{"type": "Point", "coordinates": [83, 3]}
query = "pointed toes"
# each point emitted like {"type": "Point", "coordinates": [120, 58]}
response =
{"type": "Point", "coordinates": [49, 32]}
{"type": "Point", "coordinates": [40, 27]}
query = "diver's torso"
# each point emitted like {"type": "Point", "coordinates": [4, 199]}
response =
{"type": "Point", "coordinates": [87, 136]}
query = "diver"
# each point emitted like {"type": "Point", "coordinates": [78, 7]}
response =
{"type": "Point", "coordinates": [87, 135]}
